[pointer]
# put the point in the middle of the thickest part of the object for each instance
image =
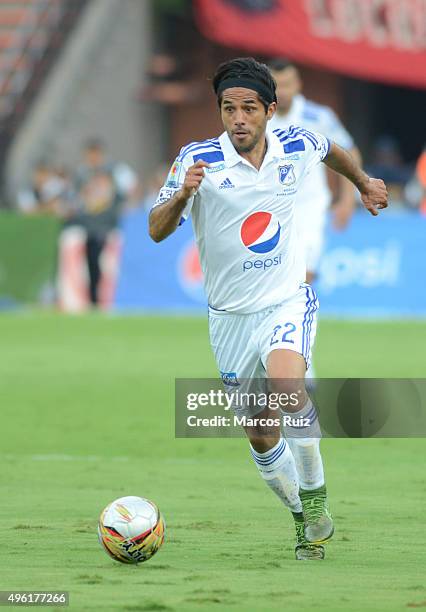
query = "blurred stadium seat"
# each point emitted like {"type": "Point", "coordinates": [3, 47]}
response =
{"type": "Point", "coordinates": [30, 30]}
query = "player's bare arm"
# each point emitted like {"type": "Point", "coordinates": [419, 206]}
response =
{"type": "Point", "coordinates": [164, 219]}
{"type": "Point", "coordinates": [344, 205]}
{"type": "Point", "coordinates": [373, 191]}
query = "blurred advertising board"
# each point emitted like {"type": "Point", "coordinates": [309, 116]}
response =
{"type": "Point", "coordinates": [27, 258]}
{"type": "Point", "coordinates": [379, 40]}
{"type": "Point", "coordinates": [376, 267]}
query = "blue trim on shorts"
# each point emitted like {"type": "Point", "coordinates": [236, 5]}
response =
{"type": "Point", "coordinates": [304, 330]}
{"type": "Point", "coordinates": [311, 308]}
{"type": "Point", "coordinates": [216, 309]}
{"type": "Point", "coordinates": [310, 321]}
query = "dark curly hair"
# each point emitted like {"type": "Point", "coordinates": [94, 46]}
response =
{"type": "Point", "coordinates": [248, 68]}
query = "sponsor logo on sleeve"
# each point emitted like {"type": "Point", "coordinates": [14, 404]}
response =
{"type": "Point", "coordinates": [216, 168]}
{"type": "Point", "coordinates": [173, 177]}
{"type": "Point", "coordinates": [165, 195]}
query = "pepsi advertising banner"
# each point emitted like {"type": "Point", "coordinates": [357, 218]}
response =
{"type": "Point", "coordinates": [376, 267]}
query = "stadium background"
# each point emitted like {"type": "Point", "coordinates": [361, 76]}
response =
{"type": "Point", "coordinates": [87, 401]}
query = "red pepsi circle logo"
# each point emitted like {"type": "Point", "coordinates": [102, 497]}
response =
{"type": "Point", "coordinates": [260, 232]}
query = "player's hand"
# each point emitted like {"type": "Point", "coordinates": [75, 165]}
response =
{"type": "Point", "coordinates": [193, 179]}
{"type": "Point", "coordinates": [374, 196]}
{"type": "Point", "coordinates": [342, 212]}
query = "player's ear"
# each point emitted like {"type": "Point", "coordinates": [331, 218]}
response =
{"type": "Point", "coordinates": [271, 110]}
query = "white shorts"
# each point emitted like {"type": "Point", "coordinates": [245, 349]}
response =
{"type": "Point", "coordinates": [242, 342]}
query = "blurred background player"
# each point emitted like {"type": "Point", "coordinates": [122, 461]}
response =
{"type": "Point", "coordinates": [315, 197]}
{"type": "Point", "coordinates": [90, 247]}
{"type": "Point", "coordinates": [46, 193]}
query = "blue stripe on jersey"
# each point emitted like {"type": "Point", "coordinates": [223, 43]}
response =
{"type": "Point", "coordinates": [199, 143]}
{"type": "Point", "coordinates": [193, 146]}
{"type": "Point", "coordinates": [209, 156]}
{"type": "Point", "coordinates": [287, 134]}
{"type": "Point", "coordinates": [278, 132]}
{"type": "Point", "coordinates": [182, 221]}
{"type": "Point", "coordinates": [295, 130]}
{"type": "Point", "coordinates": [311, 138]}
{"type": "Point", "coordinates": [294, 145]}
{"type": "Point", "coordinates": [290, 131]}
{"type": "Point", "coordinates": [310, 134]}
{"type": "Point", "coordinates": [293, 133]}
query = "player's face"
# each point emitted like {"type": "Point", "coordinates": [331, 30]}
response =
{"type": "Point", "coordinates": [289, 84]}
{"type": "Point", "coordinates": [244, 117]}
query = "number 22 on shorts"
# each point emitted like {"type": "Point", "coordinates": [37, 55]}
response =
{"type": "Point", "coordinates": [289, 329]}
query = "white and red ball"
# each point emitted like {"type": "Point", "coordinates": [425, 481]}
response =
{"type": "Point", "coordinates": [131, 529]}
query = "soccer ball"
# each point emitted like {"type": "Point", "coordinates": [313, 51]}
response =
{"type": "Point", "coordinates": [131, 529]}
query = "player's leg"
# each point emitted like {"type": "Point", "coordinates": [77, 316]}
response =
{"type": "Point", "coordinates": [302, 432]}
{"type": "Point", "coordinates": [275, 462]}
{"type": "Point", "coordinates": [287, 339]}
{"type": "Point", "coordinates": [94, 251]}
{"type": "Point", "coordinates": [238, 361]}
{"type": "Point", "coordinates": [312, 237]}
{"type": "Point", "coordinates": [286, 372]}
{"type": "Point", "coordinates": [274, 459]}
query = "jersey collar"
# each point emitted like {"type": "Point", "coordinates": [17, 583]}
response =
{"type": "Point", "coordinates": [232, 157]}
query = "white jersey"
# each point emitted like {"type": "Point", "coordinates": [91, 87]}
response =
{"type": "Point", "coordinates": [243, 218]}
{"type": "Point", "coordinates": [314, 196]}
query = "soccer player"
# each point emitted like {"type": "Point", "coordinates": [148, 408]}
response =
{"type": "Point", "coordinates": [240, 190]}
{"type": "Point", "coordinates": [314, 197]}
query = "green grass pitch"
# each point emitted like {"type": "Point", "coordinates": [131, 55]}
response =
{"type": "Point", "coordinates": [87, 416]}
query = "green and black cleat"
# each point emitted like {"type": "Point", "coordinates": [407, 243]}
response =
{"type": "Point", "coordinates": [319, 526]}
{"type": "Point", "coordinates": [305, 551]}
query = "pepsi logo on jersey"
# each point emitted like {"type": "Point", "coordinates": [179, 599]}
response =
{"type": "Point", "coordinates": [260, 233]}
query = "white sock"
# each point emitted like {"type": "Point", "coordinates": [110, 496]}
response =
{"type": "Point", "coordinates": [310, 372]}
{"type": "Point", "coordinates": [278, 469]}
{"type": "Point", "coordinates": [306, 450]}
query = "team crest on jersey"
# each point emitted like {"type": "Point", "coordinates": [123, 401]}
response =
{"type": "Point", "coordinates": [286, 174]}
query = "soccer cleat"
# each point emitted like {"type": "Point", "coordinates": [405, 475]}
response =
{"type": "Point", "coordinates": [305, 551]}
{"type": "Point", "coordinates": [319, 526]}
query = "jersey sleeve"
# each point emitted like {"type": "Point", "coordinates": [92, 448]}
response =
{"type": "Point", "coordinates": [316, 148]}
{"type": "Point", "coordinates": [174, 182]}
{"type": "Point", "coordinates": [335, 130]}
